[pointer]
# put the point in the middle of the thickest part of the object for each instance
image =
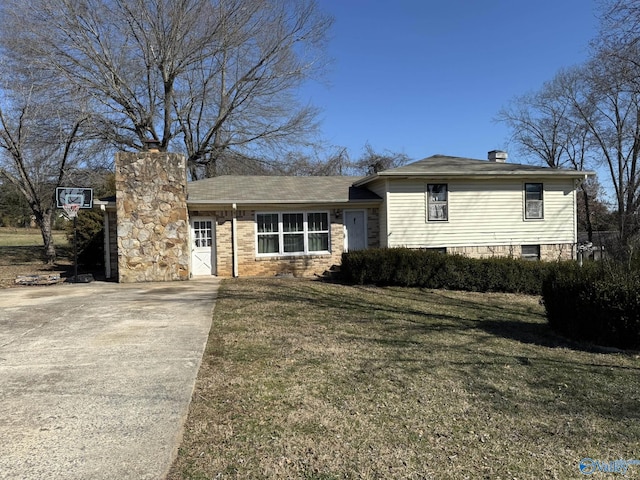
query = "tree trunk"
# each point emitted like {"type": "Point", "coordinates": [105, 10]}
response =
{"type": "Point", "coordinates": [43, 220]}
{"type": "Point", "coordinates": [211, 168]}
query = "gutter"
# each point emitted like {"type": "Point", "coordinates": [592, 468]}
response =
{"type": "Point", "coordinates": [490, 175]}
{"type": "Point", "coordinates": [234, 240]}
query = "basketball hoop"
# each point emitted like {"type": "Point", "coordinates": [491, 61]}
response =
{"type": "Point", "coordinates": [71, 209]}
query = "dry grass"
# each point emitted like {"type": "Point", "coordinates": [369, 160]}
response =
{"type": "Point", "coordinates": [21, 253]}
{"type": "Point", "coordinates": [305, 379]}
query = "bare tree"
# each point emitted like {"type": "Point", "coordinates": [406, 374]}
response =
{"type": "Point", "coordinates": [609, 106]}
{"type": "Point", "coordinates": [587, 112]}
{"type": "Point", "coordinates": [545, 126]}
{"type": "Point", "coordinates": [201, 76]}
{"type": "Point", "coordinates": [39, 143]}
{"type": "Point", "coordinates": [540, 125]}
{"type": "Point", "coordinates": [315, 163]}
{"type": "Point", "coordinates": [373, 162]}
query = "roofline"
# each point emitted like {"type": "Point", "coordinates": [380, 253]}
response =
{"type": "Point", "coordinates": [579, 174]}
{"type": "Point", "coordinates": [240, 203]}
{"type": "Point", "coordinates": [257, 203]}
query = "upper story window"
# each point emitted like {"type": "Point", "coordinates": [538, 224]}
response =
{"type": "Point", "coordinates": [437, 202]}
{"type": "Point", "coordinates": [292, 233]}
{"type": "Point", "coordinates": [533, 201]}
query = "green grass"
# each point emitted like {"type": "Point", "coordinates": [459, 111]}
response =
{"type": "Point", "coordinates": [24, 245]}
{"type": "Point", "coordinates": [27, 237]}
{"type": "Point", "coordinates": [305, 379]}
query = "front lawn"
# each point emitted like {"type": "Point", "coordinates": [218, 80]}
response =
{"type": "Point", "coordinates": [304, 379]}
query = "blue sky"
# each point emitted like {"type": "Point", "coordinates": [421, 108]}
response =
{"type": "Point", "coordinates": [423, 76]}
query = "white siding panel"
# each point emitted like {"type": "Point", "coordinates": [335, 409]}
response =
{"type": "Point", "coordinates": [480, 213]}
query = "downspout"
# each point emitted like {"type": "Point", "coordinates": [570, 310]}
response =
{"type": "Point", "coordinates": [234, 240]}
{"type": "Point", "coordinates": [107, 249]}
{"type": "Point", "coordinates": [387, 233]}
{"type": "Point", "coordinates": [578, 182]}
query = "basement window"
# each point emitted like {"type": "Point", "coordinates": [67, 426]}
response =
{"type": "Point", "coordinates": [530, 252]}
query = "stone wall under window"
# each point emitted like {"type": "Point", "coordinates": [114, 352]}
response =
{"type": "Point", "coordinates": [548, 252]}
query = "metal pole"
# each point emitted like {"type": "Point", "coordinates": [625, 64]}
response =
{"type": "Point", "coordinates": [75, 249]}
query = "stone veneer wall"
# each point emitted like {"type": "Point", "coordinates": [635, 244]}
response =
{"type": "Point", "coordinates": [152, 219]}
{"type": "Point", "coordinates": [549, 252]}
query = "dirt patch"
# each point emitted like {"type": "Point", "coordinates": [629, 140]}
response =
{"type": "Point", "coordinates": [9, 273]}
{"type": "Point", "coordinates": [17, 261]}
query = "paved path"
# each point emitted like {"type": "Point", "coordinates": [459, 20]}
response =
{"type": "Point", "coordinates": [96, 379]}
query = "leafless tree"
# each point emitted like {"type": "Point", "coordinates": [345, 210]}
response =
{"type": "Point", "coordinates": [201, 76]}
{"type": "Point", "coordinates": [372, 161]}
{"type": "Point", "coordinates": [545, 126]}
{"type": "Point", "coordinates": [585, 113]}
{"type": "Point", "coordinates": [40, 143]}
{"type": "Point", "coordinates": [540, 125]}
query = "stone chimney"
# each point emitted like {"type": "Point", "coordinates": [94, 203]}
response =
{"type": "Point", "coordinates": [498, 156]}
{"type": "Point", "coordinates": [152, 220]}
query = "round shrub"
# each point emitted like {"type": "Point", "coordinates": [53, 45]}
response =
{"type": "Point", "coordinates": [598, 303]}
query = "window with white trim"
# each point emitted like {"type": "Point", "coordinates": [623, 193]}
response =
{"type": "Point", "coordinates": [533, 201]}
{"type": "Point", "coordinates": [202, 233]}
{"type": "Point", "coordinates": [292, 233]}
{"type": "Point", "coordinates": [437, 202]}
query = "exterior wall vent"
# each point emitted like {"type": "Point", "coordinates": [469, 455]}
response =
{"type": "Point", "coordinates": [498, 156]}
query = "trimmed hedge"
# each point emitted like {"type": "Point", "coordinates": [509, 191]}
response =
{"type": "Point", "coordinates": [428, 269]}
{"type": "Point", "coordinates": [599, 303]}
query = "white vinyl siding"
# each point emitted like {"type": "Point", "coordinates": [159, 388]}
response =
{"type": "Point", "coordinates": [488, 212]}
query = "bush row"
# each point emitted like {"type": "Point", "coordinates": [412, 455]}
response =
{"type": "Point", "coordinates": [428, 269]}
{"type": "Point", "coordinates": [599, 303]}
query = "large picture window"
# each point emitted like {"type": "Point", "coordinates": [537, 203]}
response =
{"type": "Point", "coordinates": [292, 233]}
{"type": "Point", "coordinates": [437, 208]}
{"type": "Point", "coordinates": [533, 202]}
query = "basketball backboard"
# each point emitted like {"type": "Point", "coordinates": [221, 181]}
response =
{"type": "Point", "coordinates": [72, 195]}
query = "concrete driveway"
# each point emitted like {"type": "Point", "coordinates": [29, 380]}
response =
{"type": "Point", "coordinates": [96, 379]}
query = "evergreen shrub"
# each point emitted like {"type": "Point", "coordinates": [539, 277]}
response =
{"type": "Point", "coordinates": [429, 269]}
{"type": "Point", "coordinates": [598, 303]}
{"type": "Point", "coordinates": [90, 238]}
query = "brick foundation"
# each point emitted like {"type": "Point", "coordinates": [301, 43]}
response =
{"type": "Point", "coordinates": [549, 252]}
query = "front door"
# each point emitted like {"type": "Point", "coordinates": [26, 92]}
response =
{"type": "Point", "coordinates": [356, 230]}
{"type": "Point", "coordinates": [203, 246]}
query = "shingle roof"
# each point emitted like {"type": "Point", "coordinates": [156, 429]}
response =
{"type": "Point", "coordinates": [446, 166]}
{"type": "Point", "coordinates": [227, 189]}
